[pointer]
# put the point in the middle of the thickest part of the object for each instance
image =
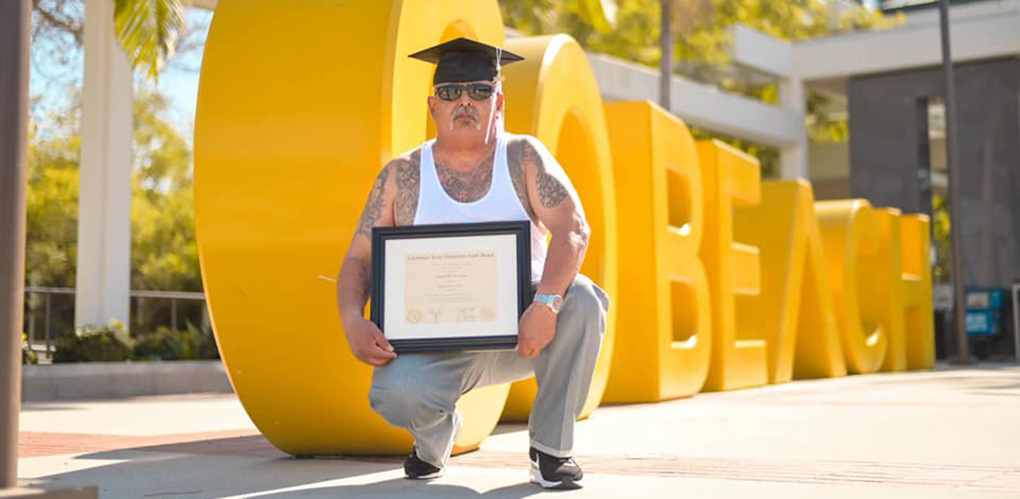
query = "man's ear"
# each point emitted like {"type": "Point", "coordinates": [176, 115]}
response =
{"type": "Point", "coordinates": [432, 107]}
{"type": "Point", "coordinates": [499, 102]}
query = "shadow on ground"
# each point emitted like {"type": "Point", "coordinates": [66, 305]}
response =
{"type": "Point", "coordinates": [252, 467]}
{"type": "Point", "coordinates": [401, 487]}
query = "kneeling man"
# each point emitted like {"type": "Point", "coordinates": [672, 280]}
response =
{"type": "Point", "coordinates": [473, 172]}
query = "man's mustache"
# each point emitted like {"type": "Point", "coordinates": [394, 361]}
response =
{"type": "Point", "coordinates": [466, 110]}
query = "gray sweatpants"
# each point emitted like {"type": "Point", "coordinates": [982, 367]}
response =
{"type": "Point", "coordinates": [419, 392]}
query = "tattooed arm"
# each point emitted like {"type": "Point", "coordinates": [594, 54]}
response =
{"type": "Point", "coordinates": [354, 284]}
{"type": "Point", "coordinates": [555, 204]}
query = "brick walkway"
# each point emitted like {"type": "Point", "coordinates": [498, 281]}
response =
{"type": "Point", "coordinates": [913, 435]}
{"type": "Point", "coordinates": [987, 478]}
{"type": "Point", "coordinates": [247, 443]}
{"type": "Point", "coordinates": [236, 443]}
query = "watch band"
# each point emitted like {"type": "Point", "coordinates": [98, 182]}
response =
{"type": "Point", "coordinates": [553, 301]}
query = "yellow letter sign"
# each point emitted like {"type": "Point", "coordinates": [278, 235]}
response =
{"type": "Point", "coordinates": [665, 338]}
{"type": "Point", "coordinates": [917, 300]}
{"type": "Point", "coordinates": [852, 240]}
{"type": "Point", "coordinates": [730, 178]}
{"type": "Point", "coordinates": [794, 312]}
{"type": "Point", "coordinates": [301, 103]}
{"type": "Point", "coordinates": [553, 95]}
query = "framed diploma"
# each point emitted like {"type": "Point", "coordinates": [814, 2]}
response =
{"type": "Point", "coordinates": [451, 286]}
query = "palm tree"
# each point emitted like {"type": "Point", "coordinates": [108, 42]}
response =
{"type": "Point", "coordinates": [147, 30]}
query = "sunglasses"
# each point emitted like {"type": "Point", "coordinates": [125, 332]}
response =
{"type": "Point", "coordinates": [477, 91]}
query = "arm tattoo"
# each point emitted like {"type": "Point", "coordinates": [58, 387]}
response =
{"type": "Point", "coordinates": [514, 154]}
{"type": "Point", "coordinates": [466, 186]}
{"type": "Point", "coordinates": [363, 278]}
{"type": "Point", "coordinates": [408, 180]}
{"type": "Point", "coordinates": [374, 206]}
{"type": "Point", "coordinates": [550, 190]}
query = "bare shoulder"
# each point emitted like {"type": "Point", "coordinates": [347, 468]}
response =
{"type": "Point", "coordinates": [533, 155]}
{"type": "Point", "coordinates": [407, 173]}
{"type": "Point", "coordinates": [389, 192]}
{"type": "Point", "coordinates": [515, 163]}
{"type": "Point", "coordinates": [404, 161]}
{"type": "Point", "coordinates": [519, 145]}
{"type": "Point", "coordinates": [551, 183]}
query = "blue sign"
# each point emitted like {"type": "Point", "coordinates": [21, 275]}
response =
{"type": "Point", "coordinates": [984, 311]}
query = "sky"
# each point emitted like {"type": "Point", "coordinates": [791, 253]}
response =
{"type": "Point", "coordinates": [179, 80]}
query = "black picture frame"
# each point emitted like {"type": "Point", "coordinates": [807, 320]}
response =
{"type": "Point", "coordinates": [522, 240]}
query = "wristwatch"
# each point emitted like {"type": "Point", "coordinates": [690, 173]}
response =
{"type": "Point", "coordinates": [554, 302]}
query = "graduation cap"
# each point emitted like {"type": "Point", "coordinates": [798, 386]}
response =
{"type": "Point", "coordinates": [463, 59]}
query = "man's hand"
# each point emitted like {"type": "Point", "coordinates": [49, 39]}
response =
{"type": "Point", "coordinates": [536, 330]}
{"type": "Point", "coordinates": [368, 343]}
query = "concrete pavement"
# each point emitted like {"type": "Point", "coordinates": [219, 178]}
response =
{"type": "Point", "coordinates": [942, 433]}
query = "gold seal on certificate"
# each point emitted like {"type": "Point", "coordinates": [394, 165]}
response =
{"type": "Point", "coordinates": [450, 287]}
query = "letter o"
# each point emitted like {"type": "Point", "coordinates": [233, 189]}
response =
{"type": "Point", "coordinates": [554, 96]}
{"type": "Point", "coordinates": [300, 103]}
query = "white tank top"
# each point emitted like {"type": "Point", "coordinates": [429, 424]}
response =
{"type": "Point", "coordinates": [499, 204]}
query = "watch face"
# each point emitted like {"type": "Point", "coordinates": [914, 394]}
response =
{"type": "Point", "coordinates": [557, 303]}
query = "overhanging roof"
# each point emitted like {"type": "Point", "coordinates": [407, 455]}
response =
{"type": "Point", "coordinates": [701, 105]}
{"type": "Point", "coordinates": [982, 30]}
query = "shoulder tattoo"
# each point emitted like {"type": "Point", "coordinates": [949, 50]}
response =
{"type": "Point", "coordinates": [514, 159]}
{"type": "Point", "coordinates": [374, 206]}
{"type": "Point", "coordinates": [408, 180]}
{"type": "Point", "coordinates": [551, 191]}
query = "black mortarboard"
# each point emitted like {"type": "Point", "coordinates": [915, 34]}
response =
{"type": "Point", "coordinates": [463, 59]}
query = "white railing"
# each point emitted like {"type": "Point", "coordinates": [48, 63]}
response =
{"type": "Point", "coordinates": [44, 344]}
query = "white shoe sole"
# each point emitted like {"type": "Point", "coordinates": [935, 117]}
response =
{"type": "Point", "coordinates": [536, 477]}
{"type": "Point", "coordinates": [430, 476]}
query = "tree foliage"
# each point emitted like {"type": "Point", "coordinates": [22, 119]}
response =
{"type": "Point", "coordinates": [52, 199]}
{"type": "Point", "coordinates": [700, 27]}
{"type": "Point", "coordinates": [701, 44]}
{"type": "Point", "coordinates": [164, 255]}
{"type": "Point", "coordinates": [163, 250]}
{"type": "Point", "coordinates": [149, 31]}
{"type": "Point", "coordinates": [940, 239]}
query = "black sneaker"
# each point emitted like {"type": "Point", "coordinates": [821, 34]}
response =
{"type": "Point", "coordinates": [416, 469]}
{"type": "Point", "coordinates": [554, 472]}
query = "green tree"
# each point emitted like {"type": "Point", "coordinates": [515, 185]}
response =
{"type": "Point", "coordinates": [537, 16]}
{"type": "Point", "coordinates": [701, 27]}
{"type": "Point", "coordinates": [701, 44]}
{"type": "Point", "coordinates": [940, 239]}
{"type": "Point", "coordinates": [52, 199]}
{"type": "Point", "coordinates": [52, 217]}
{"type": "Point", "coordinates": [164, 255]}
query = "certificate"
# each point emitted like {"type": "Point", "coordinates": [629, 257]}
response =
{"type": "Point", "coordinates": [452, 286]}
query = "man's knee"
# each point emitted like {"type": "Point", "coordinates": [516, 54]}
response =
{"type": "Point", "coordinates": [400, 406]}
{"type": "Point", "coordinates": [404, 394]}
{"type": "Point", "coordinates": [395, 406]}
{"type": "Point", "coordinates": [585, 299]}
